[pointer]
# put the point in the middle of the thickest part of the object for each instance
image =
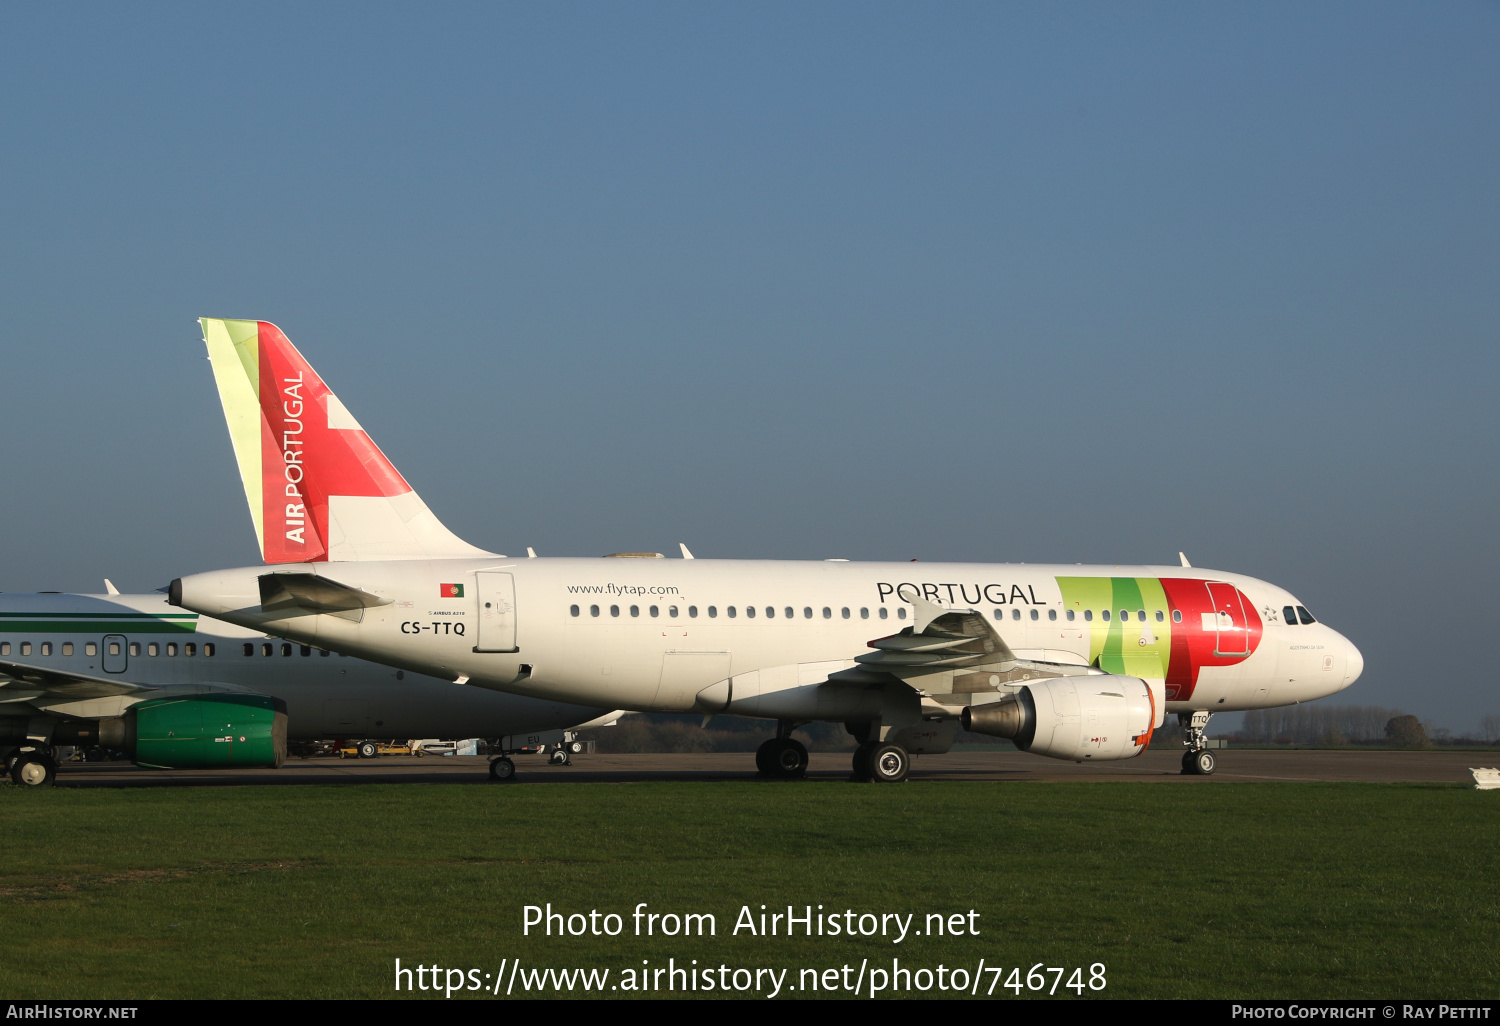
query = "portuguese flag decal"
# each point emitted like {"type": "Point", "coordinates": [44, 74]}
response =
{"type": "Point", "coordinates": [451, 590]}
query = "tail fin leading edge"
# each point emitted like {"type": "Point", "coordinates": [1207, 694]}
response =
{"type": "Point", "coordinates": [318, 487]}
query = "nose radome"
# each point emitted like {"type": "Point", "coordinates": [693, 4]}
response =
{"type": "Point", "coordinates": [1354, 663]}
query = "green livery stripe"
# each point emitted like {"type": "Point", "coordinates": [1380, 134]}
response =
{"type": "Point", "coordinates": [97, 627]}
{"type": "Point", "coordinates": [112, 617]}
{"type": "Point", "coordinates": [1131, 647]}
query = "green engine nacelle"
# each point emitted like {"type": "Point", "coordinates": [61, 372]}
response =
{"type": "Point", "coordinates": [207, 731]}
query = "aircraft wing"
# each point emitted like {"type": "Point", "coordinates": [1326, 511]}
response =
{"type": "Point", "coordinates": [21, 682]}
{"type": "Point", "coordinates": [949, 651]}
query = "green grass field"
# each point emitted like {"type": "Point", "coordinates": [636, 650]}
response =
{"type": "Point", "coordinates": [1249, 890]}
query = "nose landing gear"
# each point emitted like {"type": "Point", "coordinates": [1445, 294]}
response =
{"type": "Point", "coordinates": [1197, 761]}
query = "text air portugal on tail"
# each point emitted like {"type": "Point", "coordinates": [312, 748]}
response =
{"type": "Point", "coordinates": [318, 488]}
{"type": "Point", "coordinates": [1069, 661]}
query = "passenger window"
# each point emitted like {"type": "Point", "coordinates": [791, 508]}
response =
{"type": "Point", "coordinates": [672, 612]}
{"type": "Point", "coordinates": [999, 614]}
{"type": "Point", "coordinates": [1160, 616]}
{"type": "Point", "coordinates": [267, 649]}
{"type": "Point", "coordinates": [844, 612]}
{"type": "Point", "coordinates": [593, 610]}
{"type": "Point", "coordinates": [1088, 615]}
{"type": "Point", "coordinates": [573, 610]}
{"type": "Point", "coordinates": [901, 612]}
{"type": "Point", "coordinates": [713, 610]}
{"type": "Point", "coordinates": [1070, 614]}
{"type": "Point", "coordinates": [693, 611]}
{"type": "Point", "coordinates": [1289, 615]}
{"type": "Point", "coordinates": [322, 652]}
{"type": "Point", "coordinates": [1104, 615]}
{"type": "Point", "coordinates": [635, 610]}
{"type": "Point", "coordinates": [208, 649]}
{"type": "Point", "coordinates": [884, 613]}
{"type": "Point", "coordinates": [750, 611]}
{"type": "Point", "coordinates": [89, 648]}
{"type": "Point", "coordinates": [1304, 615]}
{"type": "Point", "coordinates": [189, 649]}
{"type": "Point", "coordinates": [864, 614]}
{"type": "Point", "coordinates": [655, 611]}
{"type": "Point", "coordinates": [1015, 614]}
{"type": "Point", "coordinates": [827, 613]}
{"type": "Point", "coordinates": [46, 648]}
{"type": "Point", "coordinates": [249, 649]}
{"type": "Point", "coordinates": [1035, 615]}
{"type": "Point", "coordinates": [286, 650]}
{"type": "Point", "coordinates": [770, 612]}
{"type": "Point", "coordinates": [5, 648]}
{"type": "Point", "coordinates": [1141, 615]}
{"type": "Point", "coordinates": [790, 612]}
{"type": "Point", "coordinates": [1124, 616]}
{"type": "Point", "coordinates": [614, 610]}
{"type": "Point", "coordinates": [171, 648]}
{"type": "Point", "coordinates": [135, 648]}
{"type": "Point", "coordinates": [26, 648]}
{"type": "Point", "coordinates": [67, 649]}
{"type": "Point", "coordinates": [807, 612]}
{"type": "Point", "coordinates": [1176, 616]}
{"type": "Point", "coordinates": [732, 613]}
{"type": "Point", "coordinates": [1052, 614]}
{"type": "Point", "coordinates": [305, 651]}
{"type": "Point", "coordinates": [153, 649]}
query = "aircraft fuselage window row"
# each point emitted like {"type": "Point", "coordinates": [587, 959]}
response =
{"type": "Point", "coordinates": [733, 612]}
{"type": "Point", "coordinates": [268, 648]}
{"type": "Point", "coordinates": [91, 648]}
{"type": "Point", "coordinates": [1290, 614]}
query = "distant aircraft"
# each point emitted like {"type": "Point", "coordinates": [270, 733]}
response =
{"type": "Point", "coordinates": [178, 690]}
{"type": "Point", "coordinates": [1068, 661]}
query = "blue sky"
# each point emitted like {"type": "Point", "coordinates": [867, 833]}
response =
{"type": "Point", "coordinates": [1042, 282]}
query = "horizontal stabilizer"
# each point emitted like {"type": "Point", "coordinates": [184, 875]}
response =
{"type": "Point", "coordinates": [302, 594]}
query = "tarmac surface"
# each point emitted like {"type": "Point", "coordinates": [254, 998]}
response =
{"type": "Point", "coordinates": [1235, 766]}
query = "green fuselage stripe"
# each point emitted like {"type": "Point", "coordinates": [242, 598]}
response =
{"type": "Point", "coordinates": [97, 627]}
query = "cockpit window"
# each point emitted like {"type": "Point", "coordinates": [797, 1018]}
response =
{"type": "Point", "coordinates": [1304, 615]}
{"type": "Point", "coordinates": [1289, 616]}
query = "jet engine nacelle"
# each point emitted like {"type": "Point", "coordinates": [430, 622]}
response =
{"type": "Point", "coordinates": [1086, 717]}
{"type": "Point", "coordinates": [196, 732]}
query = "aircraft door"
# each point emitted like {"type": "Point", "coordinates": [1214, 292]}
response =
{"type": "Point", "coordinates": [497, 613]}
{"type": "Point", "coordinates": [114, 651]}
{"type": "Point", "coordinates": [1229, 618]}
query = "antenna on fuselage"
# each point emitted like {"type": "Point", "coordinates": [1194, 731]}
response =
{"type": "Point", "coordinates": [109, 587]}
{"type": "Point", "coordinates": [685, 553]}
{"type": "Point", "coordinates": [1184, 559]}
{"type": "Point", "coordinates": [530, 552]}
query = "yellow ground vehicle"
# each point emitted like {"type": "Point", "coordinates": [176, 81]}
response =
{"type": "Point", "coordinates": [371, 749]}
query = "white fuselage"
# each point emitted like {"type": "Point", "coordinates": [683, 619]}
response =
{"type": "Point", "coordinates": [653, 634]}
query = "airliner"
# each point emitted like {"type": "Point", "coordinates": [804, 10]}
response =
{"type": "Point", "coordinates": [1067, 661]}
{"type": "Point", "coordinates": [174, 689]}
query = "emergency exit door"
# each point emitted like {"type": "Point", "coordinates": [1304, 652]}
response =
{"type": "Point", "coordinates": [497, 613]}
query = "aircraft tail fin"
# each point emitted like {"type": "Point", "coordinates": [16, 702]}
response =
{"type": "Point", "coordinates": [318, 487]}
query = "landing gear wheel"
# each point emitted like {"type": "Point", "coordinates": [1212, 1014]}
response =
{"type": "Point", "coordinates": [1187, 764]}
{"type": "Point", "coordinates": [368, 749]}
{"type": "Point", "coordinates": [558, 758]}
{"type": "Point", "coordinates": [1204, 762]}
{"type": "Point", "coordinates": [763, 756]}
{"type": "Point", "coordinates": [889, 763]}
{"type": "Point", "coordinates": [863, 771]}
{"type": "Point", "coordinates": [788, 760]}
{"type": "Point", "coordinates": [502, 769]}
{"type": "Point", "coordinates": [34, 769]}
{"type": "Point", "coordinates": [575, 748]}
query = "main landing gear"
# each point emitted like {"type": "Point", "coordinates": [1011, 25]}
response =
{"type": "Point", "coordinates": [33, 767]}
{"type": "Point", "coordinates": [502, 769]}
{"type": "Point", "coordinates": [781, 758]}
{"type": "Point", "coordinates": [881, 762]}
{"type": "Point", "coordinates": [1197, 761]}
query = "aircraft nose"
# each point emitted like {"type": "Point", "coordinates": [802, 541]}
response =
{"type": "Point", "coordinates": [1354, 663]}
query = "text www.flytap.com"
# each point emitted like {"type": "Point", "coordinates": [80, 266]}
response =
{"type": "Point", "coordinates": [513, 978]}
